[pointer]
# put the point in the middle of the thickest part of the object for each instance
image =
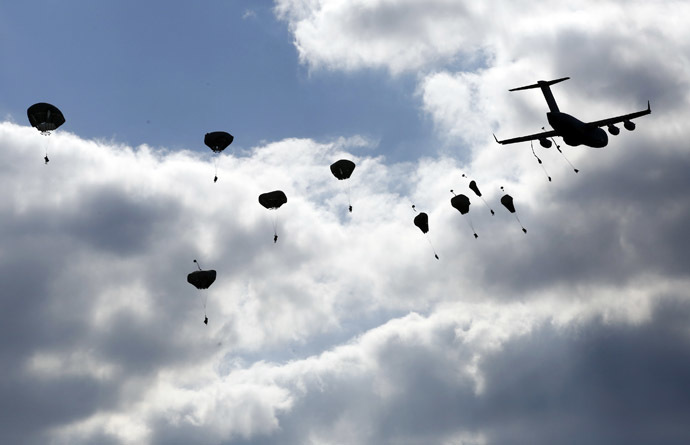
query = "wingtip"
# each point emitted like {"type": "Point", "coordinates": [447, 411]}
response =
{"type": "Point", "coordinates": [495, 138]}
{"type": "Point", "coordinates": [649, 107]}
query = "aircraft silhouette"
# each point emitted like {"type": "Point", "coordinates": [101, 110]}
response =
{"type": "Point", "coordinates": [572, 130]}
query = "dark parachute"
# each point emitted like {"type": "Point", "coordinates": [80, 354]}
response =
{"type": "Point", "coordinates": [507, 202]}
{"type": "Point", "coordinates": [45, 118]}
{"type": "Point", "coordinates": [272, 201]}
{"type": "Point", "coordinates": [422, 221]}
{"type": "Point", "coordinates": [462, 204]}
{"type": "Point", "coordinates": [217, 141]}
{"type": "Point", "coordinates": [343, 169]}
{"type": "Point", "coordinates": [475, 189]}
{"type": "Point", "coordinates": [202, 279]}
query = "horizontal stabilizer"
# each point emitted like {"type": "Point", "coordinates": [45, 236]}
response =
{"type": "Point", "coordinates": [540, 84]}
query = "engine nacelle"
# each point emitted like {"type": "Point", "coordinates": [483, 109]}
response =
{"type": "Point", "coordinates": [614, 130]}
{"type": "Point", "coordinates": [629, 125]}
{"type": "Point", "coordinates": [545, 143]}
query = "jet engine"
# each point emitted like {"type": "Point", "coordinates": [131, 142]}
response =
{"type": "Point", "coordinates": [545, 142]}
{"type": "Point", "coordinates": [614, 130]}
{"type": "Point", "coordinates": [629, 125]}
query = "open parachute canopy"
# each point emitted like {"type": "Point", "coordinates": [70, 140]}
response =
{"type": "Point", "coordinates": [342, 169]}
{"type": "Point", "coordinates": [461, 203]}
{"type": "Point", "coordinates": [45, 117]}
{"type": "Point", "coordinates": [202, 279]}
{"type": "Point", "coordinates": [272, 200]}
{"type": "Point", "coordinates": [475, 189]}
{"type": "Point", "coordinates": [218, 140]}
{"type": "Point", "coordinates": [507, 202]}
{"type": "Point", "coordinates": [422, 221]}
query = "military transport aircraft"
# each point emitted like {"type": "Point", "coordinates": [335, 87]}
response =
{"type": "Point", "coordinates": [574, 131]}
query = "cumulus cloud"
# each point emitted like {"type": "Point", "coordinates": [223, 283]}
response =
{"type": "Point", "coordinates": [397, 35]}
{"type": "Point", "coordinates": [347, 329]}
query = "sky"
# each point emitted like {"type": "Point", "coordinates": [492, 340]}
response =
{"type": "Point", "coordinates": [347, 330]}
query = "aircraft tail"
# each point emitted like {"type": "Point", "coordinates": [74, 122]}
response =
{"type": "Point", "coordinates": [546, 90]}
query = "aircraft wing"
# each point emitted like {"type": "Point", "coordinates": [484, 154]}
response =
{"type": "Point", "coordinates": [618, 119]}
{"type": "Point", "coordinates": [531, 137]}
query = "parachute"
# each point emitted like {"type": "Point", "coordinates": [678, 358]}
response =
{"type": "Point", "coordinates": [475, 189]}
{"type": "Point", "coordinates": [462, 204]}
{"type": "Point", "coordinates": [45, 118]}
{"type": "Point", "coordinates": [273, 201]}
{"type": "Point", "coordinates": [558, 147]}
{"type": "Point", "coordinates": [507, 202]}
{"type": "Point", "coordinates": [217, 141]}
{"type": "Point", "coordinates": [539, 160]}
{"type": "Point", "coordinates": [343, 169]}
{"type": "Point", "coordinates": [202, 279]}
{"type": "Point", "coordinates": [422, 221]}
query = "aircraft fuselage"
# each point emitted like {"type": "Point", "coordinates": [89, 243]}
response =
{"type": "Point", "coordinates": [575, 132]}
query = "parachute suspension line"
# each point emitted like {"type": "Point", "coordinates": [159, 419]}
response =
{"type": "Point", "coordinates": [349, 202]}
{"type": "Point", "coordinates": [203, 296]}
{"type": "Point", "coordinates": [432, 246]}
{"type": "Point", "coordinates": [566, 159]}
{"type": "Point", "coordinates": [215, 163]}
{"type": "Point", "coordinates": [487, 204]}
{"type": "Point", "coordinates": [275, 227]}
{"type": "Point", "coordinates": [45, 158]}
{"type": "Point", "coordinates": [469, 221]}
{"type": "Point", "coordinates": [558, 147]}
{"type": "Point", "coordinates": [518, 220]}
{"type": "Point", "coordinates": [539, 160]}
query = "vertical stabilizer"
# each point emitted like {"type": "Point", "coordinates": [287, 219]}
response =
{"type": "Point", "coordinates": [546, 90]}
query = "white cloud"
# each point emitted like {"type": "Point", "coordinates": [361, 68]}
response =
{"type": "Point", "coordinates": [340, 331]}
{"type": "Point", "coordinates": [398, 35]}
